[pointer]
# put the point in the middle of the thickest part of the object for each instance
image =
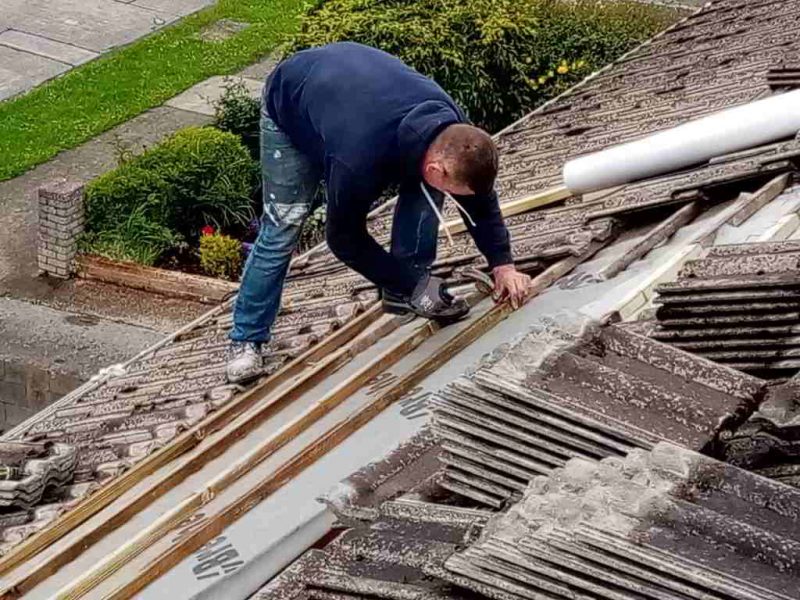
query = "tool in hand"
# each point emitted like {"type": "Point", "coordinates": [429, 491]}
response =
{"type": "Point", "coordinates": [483, 282]}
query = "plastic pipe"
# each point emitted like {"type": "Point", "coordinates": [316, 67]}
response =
{"type": "Point", "coordinates": [731, 130]}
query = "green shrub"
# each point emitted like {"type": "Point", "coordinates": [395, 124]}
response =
{"type": "Point", "coordinates": [497, 58]}
{"type": "Point", "coordinates": [221, 256]}
{"type": "Point", "coordinates": [209, 176]}
{"type": "Point", "coordinates": [194, 177]}
{"type": "Point", "coordinates": [240, 114]}
{"type": "Point", "coordinates": [135, 238]}
{"type": "Point", "coordinates": [118, 194]}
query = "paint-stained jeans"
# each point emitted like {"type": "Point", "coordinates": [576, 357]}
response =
{"type": "Point", "coordinates": [290, 183]}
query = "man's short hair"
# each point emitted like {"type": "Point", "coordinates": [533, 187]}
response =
{"type": "Point", "coordinates": [471, 155]}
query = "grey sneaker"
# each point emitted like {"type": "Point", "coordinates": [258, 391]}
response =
{"type": "Point", "coordinates": [431, 300]}
{"type": "Point", "coordinates": [245, 361]}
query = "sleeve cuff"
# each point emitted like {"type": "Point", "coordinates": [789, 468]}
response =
{"type": "Point", "coordinates": [499, 260]}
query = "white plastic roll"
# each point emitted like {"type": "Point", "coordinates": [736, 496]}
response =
{"type": "Point", "coordinates": [731, 130]}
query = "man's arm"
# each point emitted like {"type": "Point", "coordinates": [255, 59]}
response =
{"type": "Point", "coordinates": [493, 240]}
{"type": "Point", "coordinates": [347, 236]}
{"type": "Point", "coordinates": [489, 232]}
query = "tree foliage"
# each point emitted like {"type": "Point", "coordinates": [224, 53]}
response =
{"type": "Point", "coordinates": [498, 58]}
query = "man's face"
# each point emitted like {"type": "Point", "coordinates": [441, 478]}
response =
{"type": "Point", "coordinates": [457, 189]}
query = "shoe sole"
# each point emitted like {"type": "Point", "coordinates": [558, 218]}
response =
{"type": "Point", "coordinates": [450, 320]}
{"type": "Point", "coordinates": [245, 379]}
{"type": "Point", "coordinates": [395, 308]}
{"type": "Point", "coordinates": [400, 310]}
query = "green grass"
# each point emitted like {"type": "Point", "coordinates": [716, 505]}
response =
{"type": "Point", "coordinates": [93, 98]}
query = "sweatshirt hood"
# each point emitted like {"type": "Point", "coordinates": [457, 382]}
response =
{"type": "Point", "coordinates": [420, 127]}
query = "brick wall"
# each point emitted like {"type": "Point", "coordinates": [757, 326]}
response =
{"type": "Point", "coordinates": [61, 221]}
{"type": "Point", "coordinates": [26, 389]}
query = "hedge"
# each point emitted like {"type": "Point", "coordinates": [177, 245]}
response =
{"type": "Point", "coordinates": [197, 176]}
{"type": "Point", "coordinates": [499, 59]}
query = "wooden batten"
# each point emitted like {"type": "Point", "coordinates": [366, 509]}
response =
{"type": "Point", "coordinates": [252, 459]}
{"type": "Point", "coordinates": [216, 434]}
{"type": "Point", "coordinates": [308, 369]}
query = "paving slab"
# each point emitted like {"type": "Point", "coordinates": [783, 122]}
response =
{"type": "Point", "coordinates": [222, 30]}
{"type": "Point", "coordinates": [262, 68]}
{"type": "Point", "coordinates": [20, 71]}
{"type": "Point", "coordinates": [181, 7]}
{"type": "Point", "coordinates": [35, 44]}
{"type": "Point", "coordinates": [202, 97]}
{"type": "Point", "coordinates": [96, 25]}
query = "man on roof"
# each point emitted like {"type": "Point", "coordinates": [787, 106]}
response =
{"type": "Point", "coordinates": [361, 120]}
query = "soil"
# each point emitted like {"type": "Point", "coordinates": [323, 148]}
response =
{"type": "Point", "coordinates": [183, 260]}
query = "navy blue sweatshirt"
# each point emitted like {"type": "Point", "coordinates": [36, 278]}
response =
{"type": "Point", "coordinates": [367, 120]}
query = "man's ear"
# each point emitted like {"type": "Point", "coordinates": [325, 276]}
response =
{"type": "Point", "coordinates": [433, 171]}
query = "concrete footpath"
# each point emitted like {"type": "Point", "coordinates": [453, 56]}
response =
{"type": "Point", "coordinates": [41, 39]}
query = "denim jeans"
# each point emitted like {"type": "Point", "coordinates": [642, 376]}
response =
{"type": "Point", "coordinates": [290, 184]}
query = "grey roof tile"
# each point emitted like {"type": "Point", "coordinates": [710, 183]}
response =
{"type": "Point", "coordinates": [668, 523]}
{"type": "Point", "coordinates": [738, 306]}
{"type": "Point", "coordinates": [572, 389]}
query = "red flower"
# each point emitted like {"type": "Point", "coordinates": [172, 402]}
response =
{"type": "Point", "coordinates": [208, 230]}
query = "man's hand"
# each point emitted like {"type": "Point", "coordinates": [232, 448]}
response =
{"type": "Point", "coordinates": [511, 285]}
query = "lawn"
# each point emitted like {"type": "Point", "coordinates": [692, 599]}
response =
{"type": "Point", "coordinates": [97, 96]}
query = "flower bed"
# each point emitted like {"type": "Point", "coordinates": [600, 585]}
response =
{"type": "Point", "coordinates": [189, 204]}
